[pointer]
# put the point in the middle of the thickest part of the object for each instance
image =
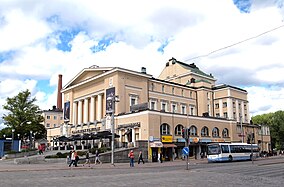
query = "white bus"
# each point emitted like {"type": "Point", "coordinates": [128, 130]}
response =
{"type": "Point", "coordinates": [220, 152]}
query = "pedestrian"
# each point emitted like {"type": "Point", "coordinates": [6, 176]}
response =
{"type": "Point", "coordinates": [76, 158]}
{"type": "Point", "coordinates": [87, 158]}
{"type": "Point", "coordinates": [140, 157]}
{"type": "Point", "coordinates": [97, 159]}
{"type": "Point", "coordinates": [131, 157]}
{"type": "Point", "coordinates": [72, 158]}
{"type": "Point", "coordinates": [160, 157]}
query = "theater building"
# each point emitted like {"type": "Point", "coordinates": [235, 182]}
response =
{"type": "Point", "coordinates": [152, 112]}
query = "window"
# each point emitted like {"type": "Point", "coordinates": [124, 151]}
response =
{"type": "Point", "coordinates": [225, 115]}
{"type": "Point", "coordinates": [153, 105]}
{"type": "Point", "coordinates": [182, 92]}
{"type": "Point", "coordinates": [165, 129]}
{"type": "Point", "coordinates": [47, 117]}
{"type": "Point", "coordinates": [152, 87]}
{"type": "Point", "coordinates": [193, 131]}
{"type": "Point", "coordinates": [174, 108]}
{"type": "Point", "coordinates": [190, 94]}
{"type": "Point", "coordinates": [204, 131]}
{"type": "Point", "coordinates": [215, 132]}
{"type": "Point", "coordinates": [132, 101]}
{"type": "Point", "coordinates": [55, 117]}
{"type": "Point", "coordinates": [191, 110]}
{"type": "Point", "coordinates": [217, 115]}
{"type": "Point", "coordinates": [178, 130]}
{"type": "Point", "coordinates": [54, 125]}
{"type": "Point", "coordinates": [164, 106]}
{"type": "Point", "coordinates": [163, 88]}
{"type": "Point", "coordinates": [224, 104]}
{"type": "Point", "coordinates": [225, 148]}
{"type": "Point", "coordinates": [234, 104]}
{"type": "Point", "coordinates": [61, 118]}
{"type": "Point", "coordinates": [217, 105]}
{"type": "Point", "coordinates": [225, 133]}
{"type": "Point", "coordinates": [48, 125]}
{"type": "Point", "coordinates": [234, 115]}
{"type": "Point", "coordinates": [183, 109]}
{"type": "Point", "coordinates": [173, 90]}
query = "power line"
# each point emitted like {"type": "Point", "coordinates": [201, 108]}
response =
{"type": "Point", "coordinates": [237, 43]}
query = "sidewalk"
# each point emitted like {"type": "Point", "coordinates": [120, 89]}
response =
{"type": "Point", "coordinates": [10, 166]}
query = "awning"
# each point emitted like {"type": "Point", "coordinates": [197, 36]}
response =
{"type": "Point", "coordinates": [156, 144]}
{"type": "Point", "coordinates": [169, 145]}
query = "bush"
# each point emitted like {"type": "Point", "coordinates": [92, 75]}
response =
{"type": "Point", "coordinates": [12, 152]}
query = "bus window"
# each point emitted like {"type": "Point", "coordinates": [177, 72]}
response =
{"type": "Point", "coordinates": [225, 148]}
{"type": "Point", "coordinates": [213, 149]}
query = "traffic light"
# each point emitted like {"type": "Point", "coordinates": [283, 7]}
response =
{"type": "Point", "coordinates": [185, 133]}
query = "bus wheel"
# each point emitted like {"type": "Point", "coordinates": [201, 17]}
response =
{"type": "Point", "coordinates": [230, 158]}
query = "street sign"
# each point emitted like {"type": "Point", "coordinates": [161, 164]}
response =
{"type": "Point", "coordinates": [185, 151]}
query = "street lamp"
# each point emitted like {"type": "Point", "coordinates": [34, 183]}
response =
{"type": "Point", "coordinates": [112, 100]}
{"type": "Point", "coordinates": [31, 139]}
{"type": "Point", "coordinates": [12, 146]}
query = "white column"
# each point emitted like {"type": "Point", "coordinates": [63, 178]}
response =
{"type": "Point", "coordinates": [133, 137]}
{"type": "Point", "coordinates": [243, 111]}
{"type": "Point", "coordinates": [75, 111]}
{"type": "Point", "coordinates": [92, 109]}
{"type": "Point", "coordinates": [237, 111]}
{"type": "Point", "coordinates": [80, 107]}
{"type": "Point", "coordinates": [229, 108]}
{"type": "Point", "coordinates": [86, 110]}
{"type": "Point", "coordinates": [99, 107]}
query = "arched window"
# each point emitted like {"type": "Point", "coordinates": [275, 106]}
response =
{"type": "Point", "coordinates": [164, 129]}
{"type": "Point", "coordinates": [204, 131]}
{"type": "Point", "coordinates": [178, 129]}
{"type": "Point", "coordinates": [225, 133]}
{"type": "Point", "coordinates": [215, 132]}
{"type": "Point", "coordinates": [192, 131]}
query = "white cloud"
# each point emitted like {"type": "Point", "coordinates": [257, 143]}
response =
{"type": "Point", "coordinates": [139, 29]}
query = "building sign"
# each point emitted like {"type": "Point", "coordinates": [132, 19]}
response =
{"type": "Point", "coordinates": [135, 124]}
{"type": "Point", "coordinates": [167, 138]}
{"type": "Point", "coordinates": [156, 144]}
{"type": "Point", "coordinates": [110, 94]}
{"type": "Point", "coordinates": [67, 110]}
{"type": "Point", "coordinates": [85, 130]}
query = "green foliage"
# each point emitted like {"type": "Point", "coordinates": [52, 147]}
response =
{"type": "Point", "coordinates": [21, 111]}
{"type": "Point", "coordinates": [275, 121]}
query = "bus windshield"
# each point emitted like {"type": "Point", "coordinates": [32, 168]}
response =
{"type": "Point", "coordinates": [213, 149]}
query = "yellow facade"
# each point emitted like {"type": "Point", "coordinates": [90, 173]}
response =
{"type": "Point", "coordinates": [150, 109]}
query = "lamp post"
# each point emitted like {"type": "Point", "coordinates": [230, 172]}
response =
{"type": "Point", "coordinates": [242, 134]}
{"type": "Point", "coordinates": [31, 139]}
{"type": "Point", "coordinates": [12, 146]}
{"type": "Point", "coordinates": [112, 100]}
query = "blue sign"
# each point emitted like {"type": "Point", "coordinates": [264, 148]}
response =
{"type": "Point", "coordinates": [185, 151]}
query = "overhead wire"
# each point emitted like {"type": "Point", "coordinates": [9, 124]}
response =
{"type": "Point", "coordinates": [237, 43]}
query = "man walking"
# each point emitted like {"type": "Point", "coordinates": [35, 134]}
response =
{"type": "Point", "coordinates": [140, 157]}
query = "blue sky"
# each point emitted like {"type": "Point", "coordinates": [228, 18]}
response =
{"type": "Point", "coordinates": [239, 41]}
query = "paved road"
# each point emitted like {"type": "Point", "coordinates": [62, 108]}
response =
{"type": "Point", "coordinates": [264, 172]}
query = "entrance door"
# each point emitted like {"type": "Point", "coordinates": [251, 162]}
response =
{"type": "Point", "coordinates": [154, 154]}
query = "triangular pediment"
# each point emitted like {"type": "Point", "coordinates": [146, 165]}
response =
{"type": "Point", "coordinates": [86, 74]}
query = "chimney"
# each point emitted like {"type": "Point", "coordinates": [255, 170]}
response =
{"type": "Point", "coordinates": [59, 94]}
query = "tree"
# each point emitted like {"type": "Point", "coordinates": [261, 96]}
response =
{"type": "Point", "coordinates": [23, 116]}
{"type": "Point", "coordinates": [275, 121]}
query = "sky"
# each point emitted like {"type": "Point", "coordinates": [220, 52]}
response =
{"type": "Point", "coordinates": [240, 42]}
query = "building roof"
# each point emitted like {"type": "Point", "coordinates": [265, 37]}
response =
{"type": "Point", "coordinates": [193, 68]}
{"type": "Point", "coordinates": [218, 87]}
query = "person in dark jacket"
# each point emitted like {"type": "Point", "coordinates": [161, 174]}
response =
{"type": "Point", "coordinates": [140, 158]}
